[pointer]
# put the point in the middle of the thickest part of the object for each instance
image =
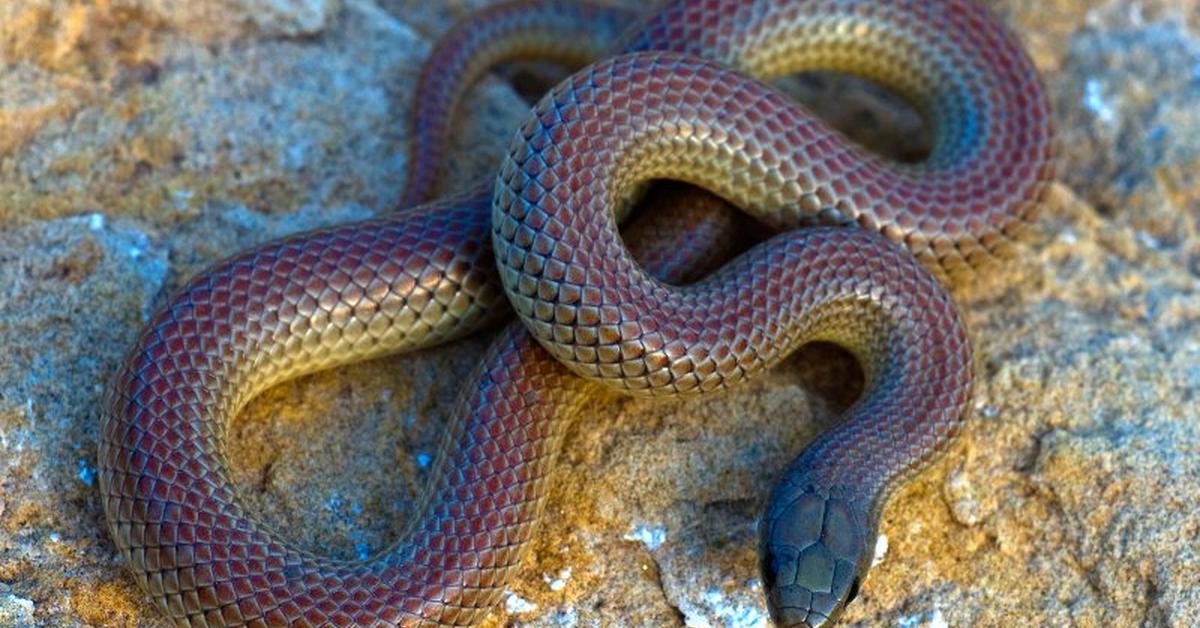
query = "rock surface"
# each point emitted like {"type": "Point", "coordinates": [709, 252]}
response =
{"type": "Point", "coordinates": [141, 140]}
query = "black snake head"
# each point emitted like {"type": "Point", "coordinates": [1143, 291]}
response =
{"type": "Point", "coordinates": [812, 554]}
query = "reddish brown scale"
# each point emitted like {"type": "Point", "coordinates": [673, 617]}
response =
{"type": "Point", "coordinates": [422, 277]}
{"type": "Point", "coordinates": [171, 505]}
{"type": "Point", "coordinates": [565, 31]}
{"type": "Point", "coordinates": [656, 115]}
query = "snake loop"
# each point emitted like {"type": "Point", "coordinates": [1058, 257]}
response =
{"type": "Point", "coordinates": [420, 277]}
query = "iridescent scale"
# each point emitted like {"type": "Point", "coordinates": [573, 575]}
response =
{"type": "Point", "coordinates": [865, 277]}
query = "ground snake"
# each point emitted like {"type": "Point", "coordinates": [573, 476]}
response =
{"type": "Point", "coordinates": [426, 275]}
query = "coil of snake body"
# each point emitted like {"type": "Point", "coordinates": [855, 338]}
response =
{"type": "Point", "coordinates": [677, 105]}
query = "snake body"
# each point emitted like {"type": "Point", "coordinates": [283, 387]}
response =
{"type": "Point", "coordinates": [568, 32]}
{"type": "Point", "coordinates": [427, 275]}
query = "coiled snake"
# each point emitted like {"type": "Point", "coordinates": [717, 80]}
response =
{"type": "Point", "coordinates": [670, 108]}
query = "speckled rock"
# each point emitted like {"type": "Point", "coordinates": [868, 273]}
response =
{"type": "Point", "coordinates": [15, 611]}
{"type": "Point", "coordinates": [141, 140]}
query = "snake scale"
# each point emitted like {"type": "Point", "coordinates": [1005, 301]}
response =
{"type": "Point", "coordinates": [677, 103]}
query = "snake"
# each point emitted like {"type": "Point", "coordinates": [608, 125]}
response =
{"type": "Point", "coordinates": [861, 248]}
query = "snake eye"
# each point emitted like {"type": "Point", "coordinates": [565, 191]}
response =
{"type": "Point", "coordinates": [853, 592]}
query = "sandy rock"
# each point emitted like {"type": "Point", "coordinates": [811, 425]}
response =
{"type": "Point", "coordinates": [1117, 74]}
{"type": "Point", "coordinates": [142, 140]}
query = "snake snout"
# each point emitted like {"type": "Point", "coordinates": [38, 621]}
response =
{"type": "Point", "coordinates": [811, 557]}
{"type": "Point", "coordinates": [807, 605]}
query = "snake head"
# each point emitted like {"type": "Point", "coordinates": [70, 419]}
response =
{"type": "Point", "coordinates": [812, 553]}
